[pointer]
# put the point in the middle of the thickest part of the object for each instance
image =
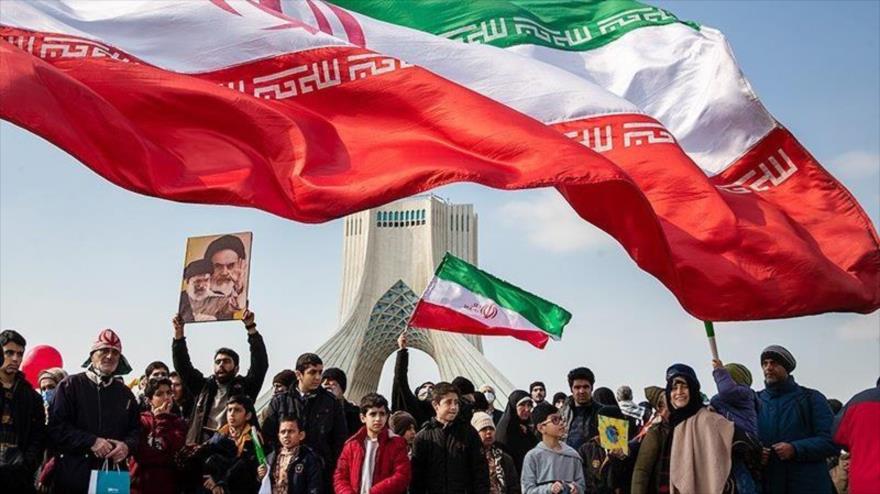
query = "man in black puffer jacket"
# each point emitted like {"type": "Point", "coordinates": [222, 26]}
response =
{"type": "Point", "coordinates": [320, 413]}
{"type": "Point", "coordinates": [447, 457]}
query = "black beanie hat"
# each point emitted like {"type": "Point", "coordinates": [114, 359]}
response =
{"type": "Point", "coordinates": [285, 378]}
{"type": "Point", "coordinates": [464, 385]}
{"type": "Point", "coordinates": [336, 374]}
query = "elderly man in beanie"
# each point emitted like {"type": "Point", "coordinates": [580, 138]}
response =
{"type": "Point", "coordinates": [335, 381]}
{"type": "Point", "coordinates": [794, 424]}
{"type": "Point", "coordinates": [94, 418]}
{"type": "Point", "coordinates": [22, 419]}
{"type": "Point", "coordinates": [503, 476]}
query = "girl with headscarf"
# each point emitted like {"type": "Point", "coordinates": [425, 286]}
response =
{"type": "Point", "coordinates": [693, 440]}
{"type": "Point", "coordinates": [515, 433]}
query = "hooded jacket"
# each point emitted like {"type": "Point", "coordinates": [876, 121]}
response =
{"type": "Point", "coordinates": [514, 435]}
{"type": "Point", "coordinates": [543, 466]}
{"type": "Point", "coordinates": [801, 417]}
{"type": "Point", "coordinates": [391, 474]}
{"type": "Point", "coordinates": [448, 460]}
{"type": "Point", "coordinates": [205, 388]}
{"type": "Point", "coordinates": [736, 402]}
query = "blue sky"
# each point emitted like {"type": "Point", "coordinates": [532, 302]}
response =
{"type": "Point", "coordinates": [78, 254]}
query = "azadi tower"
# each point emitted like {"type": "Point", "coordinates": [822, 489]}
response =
{"type": "Point", "coordinates": [389, 255]}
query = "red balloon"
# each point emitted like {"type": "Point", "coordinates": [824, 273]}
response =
{"type": "Point", "coordinates": [38, 359]}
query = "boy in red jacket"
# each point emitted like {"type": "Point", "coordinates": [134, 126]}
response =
{"type": "Point", "coordinates": [162, 435]}
{"type": "Point", "coordinates": [373, 460]}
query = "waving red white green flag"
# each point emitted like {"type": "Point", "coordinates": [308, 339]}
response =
{"type": "Point", "coordinates": [752, 226]}
{"type": "Point", "coordinates": [307, 110]}
{"type": "Point", "coordinates": [464, 299]}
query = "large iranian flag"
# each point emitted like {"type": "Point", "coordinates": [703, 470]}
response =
{"type": "Point", "coordinates": [464, 299]}
{"type": "Point", "coordinates": [310, 111]}
{"type": "Point", "coordinates": [752, 226]}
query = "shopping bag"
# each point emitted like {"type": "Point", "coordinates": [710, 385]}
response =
{"type": "Point", "coordinates": [106, 481]}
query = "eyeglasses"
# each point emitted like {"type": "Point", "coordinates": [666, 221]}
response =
{"type": "Point", "coordinates": [554, 419]}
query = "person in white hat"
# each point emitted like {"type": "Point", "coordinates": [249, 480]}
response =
{"type": "Point", "coordinates": [503, 477]}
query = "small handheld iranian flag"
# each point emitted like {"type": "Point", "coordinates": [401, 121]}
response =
{"type": "Point", "coordinates": [464, 299]}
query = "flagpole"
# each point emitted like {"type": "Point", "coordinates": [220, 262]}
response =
{"type": "Point", "coordinates": [710, 333]}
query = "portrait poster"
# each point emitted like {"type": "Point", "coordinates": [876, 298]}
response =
{"type": "Point", "coordinates": [216, 272]}
{"type": "Point", "coordinates": [613, 433]}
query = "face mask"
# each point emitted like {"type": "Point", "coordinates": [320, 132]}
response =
{"type": "Point", "coordinates": [424, 393]}
{"type": "Point", "coordinates": [48, 396]}
{"type": "Point", "coordinates": [490, 396]}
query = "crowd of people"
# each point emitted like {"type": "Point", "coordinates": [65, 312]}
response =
{"type": "Point", "coordinates": [182, 431]}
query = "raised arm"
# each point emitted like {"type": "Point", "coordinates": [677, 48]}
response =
{"type": "Point", "coordinates": [402, 397]}
{"type": "Point", "coordinates": [259, 358]}
{"type": "Point", "coordinates": [191, 377]}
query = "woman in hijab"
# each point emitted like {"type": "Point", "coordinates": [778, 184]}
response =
{"type": "Point", "coordinates": [515, 433]}
{"type": "Point", "coordinates": [693, 440]}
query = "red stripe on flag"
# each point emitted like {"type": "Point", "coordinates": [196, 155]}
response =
{"type": "Point", "coordinates": [773, 236]}
{"type": "Point", "coordinates": [431, 316]}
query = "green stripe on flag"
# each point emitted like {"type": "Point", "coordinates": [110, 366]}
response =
{"type": "Point", "coordinates": [543, 314]}
{"type": "Point", "coordinates": [574, 25]}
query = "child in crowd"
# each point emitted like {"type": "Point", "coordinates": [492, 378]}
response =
{"type": "Point", "coordinates": [373, 460]}
{"type": "Point", "coordinates": [163, 434]}
{"type": "Point", "coordinates": [552, 466]}
{"type": "Point", "coordinates": [293, 468]}
{"type": "Point", "coordinates": [231, 464]}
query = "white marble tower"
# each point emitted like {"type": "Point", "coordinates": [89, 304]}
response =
{"type": "Point", "coordinates": [389, 255]}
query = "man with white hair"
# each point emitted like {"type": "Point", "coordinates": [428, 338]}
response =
{"type": "Point", "coordinates": [628, 406]}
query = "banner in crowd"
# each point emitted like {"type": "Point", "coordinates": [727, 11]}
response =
{"type": "Point", "coordinates": [613, 433]}
{"type": "Point", "coordinates": [464, 299]}
{"type": "Point", "coordinates": [215, 277]}
{"type": "Point", "coordinates": [308, 111]}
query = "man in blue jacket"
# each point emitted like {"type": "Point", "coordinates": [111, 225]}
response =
{"type": "Point", "coordinates": [794, 424]}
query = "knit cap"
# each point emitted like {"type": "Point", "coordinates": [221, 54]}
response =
{"type": "Point", "coordinates": [481, 420]}
{"type": "Point", "coordinates": [740, 374]}
{"type": "Point", "coordinates": [781, 355]}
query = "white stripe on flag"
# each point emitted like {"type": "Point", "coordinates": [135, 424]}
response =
{"type": "Point", "coordinates": [482, 309]}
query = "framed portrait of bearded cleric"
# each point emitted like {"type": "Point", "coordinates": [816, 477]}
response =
{"type": "Point", "coordinates": [216, 271]}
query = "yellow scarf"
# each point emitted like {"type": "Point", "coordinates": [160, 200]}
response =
{"type": "Point", "coordinates": [243, 437]}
